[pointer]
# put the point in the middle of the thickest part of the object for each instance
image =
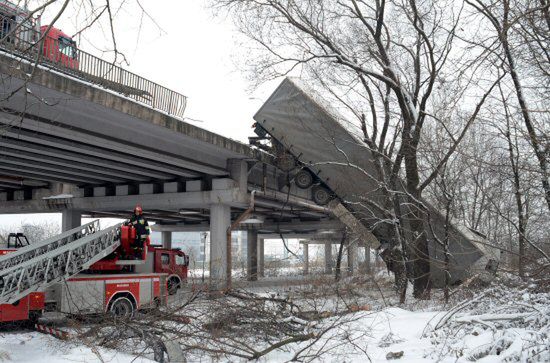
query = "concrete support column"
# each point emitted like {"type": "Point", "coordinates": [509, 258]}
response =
{"type": "Point", "coordinates": [252, 255]}
{"type": "Point", "coordinates": [261, 257]}
{"type": "Point", "coordinates": [368, 265]}
{"type": "Point", "coordinates": [305, 246]}
{"type": "Point", "coordinates": [220, 220]}
{"type": "Point", "coordinates": [352, 258]}
{"type": "Point", "coordinates": [328, 257]}
{"type": "Point", "coordinates": [70, 219]}
{"type": "Point", "coordinates": [166, 239]}
{"type": "Point", "coordinates": [238, 170]}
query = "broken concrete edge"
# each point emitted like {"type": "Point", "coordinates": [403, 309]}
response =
{"type": "Point", "coordinates": [355, 226]}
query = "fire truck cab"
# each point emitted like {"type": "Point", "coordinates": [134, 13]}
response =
{"type": "Point", "coordinates": [154, 259]}
{"type": "Point", "coordinates": [172, 262]}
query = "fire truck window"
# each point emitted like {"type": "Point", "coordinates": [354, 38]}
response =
{"type": "Point", "coordinates": [180, 260]}
{"type": "Point", "coordinates": [67, 47]}
{"type": "Point", "coordinates": [165, 259]}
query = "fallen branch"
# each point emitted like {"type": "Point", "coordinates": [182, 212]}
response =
{"type": "Point", "coordinates": [491, 317]}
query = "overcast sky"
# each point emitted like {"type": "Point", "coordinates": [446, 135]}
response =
{"type": "Point", "coordinates": [195, 54]}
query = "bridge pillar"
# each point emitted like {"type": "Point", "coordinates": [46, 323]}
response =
{"type": "Point", "coordinates": [220, 220]}
{"type": "Point", "coordinates": [352, 257]}
{"type": "Point", "coordinates": [261, 255]}
{"type": "Point", "coordinates": [368, 266]}
{"type": "Point", "coordinates": [305, 246]}
{"type": "Point", "coordinates": [328, 257]}
{"type": "Point", "coordinates": [70, 219]}
{"type": "Point", "coordinates": [252, 255]}
{"type": "Point", "coordinates": [166, 238]}
{"type": "Point", "coordinates": [238, 170]}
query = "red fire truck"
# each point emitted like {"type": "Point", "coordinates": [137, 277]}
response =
{"type": "Point", "coordinates": [107, 282]}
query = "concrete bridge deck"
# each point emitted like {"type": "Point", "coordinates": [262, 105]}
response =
{"type": "Point", "coordinates": [72, 147]}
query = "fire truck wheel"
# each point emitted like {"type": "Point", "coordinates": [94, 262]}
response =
{"type": "Point", "coordinates": [173, 285]}
{"type": "Point", "coordinates": [122, 307]}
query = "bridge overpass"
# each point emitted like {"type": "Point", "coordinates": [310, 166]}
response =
{"type": "Point", "coordinates": [77, 148]}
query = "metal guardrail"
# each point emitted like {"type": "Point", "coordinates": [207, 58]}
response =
{"type": "Point", "coordinates": [26, 41]}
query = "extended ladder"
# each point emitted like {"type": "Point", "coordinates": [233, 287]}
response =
{"type": "Point", "coordinates": [39, 265]}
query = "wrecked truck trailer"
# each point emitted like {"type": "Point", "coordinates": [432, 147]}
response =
{"type": "Point", "coordinates": [309, 137]}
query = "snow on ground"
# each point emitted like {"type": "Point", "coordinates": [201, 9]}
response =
{"type": "Point", "coordinates": [367, 336]}
{"type": "Point", "coordinates": [505, 322]}
{"type": "Point", "coordinates": [33, 347]}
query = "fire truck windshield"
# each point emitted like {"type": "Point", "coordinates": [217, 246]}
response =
{"type": "Point", "coordinates": [67, 47]}
{"type": "Point", "coordinates": [181, 260]}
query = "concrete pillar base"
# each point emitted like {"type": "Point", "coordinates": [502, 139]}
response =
{"type": "Point", "coordinates": [328, 258]}
{"type": "Point", "coordinates": [352, 258]}
{"type": "Point", "coordinates": [368, 264]}
{"type": "Point", "coordinates": [220, 220]}
{"type": "Point", "coordinates": [70, 219]}
{"type": "Point", "coordinates": [305, 246]}
{"type": "Point", "coordinates": [261, 256]}
{"type": "Point", "coordinates": [252, 255]}
{"type": "Point", "coordinates": [166, 239]}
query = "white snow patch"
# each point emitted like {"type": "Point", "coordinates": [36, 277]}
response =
{"type": "Point", "coordinates": [60, 196]}
{"type": "Point", "coordinates": [36, 347]}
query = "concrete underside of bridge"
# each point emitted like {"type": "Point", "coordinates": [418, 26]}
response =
{"type": "Point", "coordinates": [73, 148]}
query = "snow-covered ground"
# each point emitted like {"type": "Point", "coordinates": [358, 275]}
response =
{"type": "Point", "coordinates": [367, 336]}
{"type": "Point", "coordinates": [33, 347]}
{"type": "Point", "coordinates": [360, 323]}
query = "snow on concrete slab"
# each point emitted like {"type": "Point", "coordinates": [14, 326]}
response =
{"type": "Point", "coordinates": [59, 196]}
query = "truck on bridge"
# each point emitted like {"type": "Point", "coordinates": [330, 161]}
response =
{"type": "Point", "coordinates": [23, 36]}
{"type": "Point", "coordinates": [86, 271]}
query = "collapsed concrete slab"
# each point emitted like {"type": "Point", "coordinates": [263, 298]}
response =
{"type": "Point", "coordinates": [305, 125]}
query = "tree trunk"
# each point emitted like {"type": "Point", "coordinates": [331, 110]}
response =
{"type": "Point", "coordinates": [537, 148]}
{"type": "Point", "coordinates": [517, 192]}
{"type": "Point", "coordinates": [338, 267]}
{"type": "Point", "coordinates": [519, 206]}
{"type": "Point", "coordinates": [419, 246]}
{"type": "Point", "coordinates": [446, 248]}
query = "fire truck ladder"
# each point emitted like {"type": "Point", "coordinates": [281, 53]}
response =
{"type": "Point", "coordinates": [39, 265]}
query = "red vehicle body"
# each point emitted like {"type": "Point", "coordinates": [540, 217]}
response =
{"type": "Point", "coordinates": [59, 47]}
{"type": "Point", "coordinates": [28, 308]}
{"type": "Point", "coordinates": [114, 284]}
{"type": "Point", "coordinates": [22, 30]}
{"type": "Point", "coordinates": [172, 262]}
{"type": "Point", "coordinates": [155, 260]}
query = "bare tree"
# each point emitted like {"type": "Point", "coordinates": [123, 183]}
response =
{"type": "Point", "coordinates": [532, 16]}
{"type": "Point", "coordinates": [392, 59]}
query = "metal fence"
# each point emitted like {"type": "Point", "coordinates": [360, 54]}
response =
{"type": "Point", "coordinates": [24, 39]}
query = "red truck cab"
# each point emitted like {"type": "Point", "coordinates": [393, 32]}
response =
{"type": "Point", "coordinates": [154, 259]}
{"type": "Point", "coordinates": [172, 262]}
{"type": "Point", "coordinates": [59, 47]}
